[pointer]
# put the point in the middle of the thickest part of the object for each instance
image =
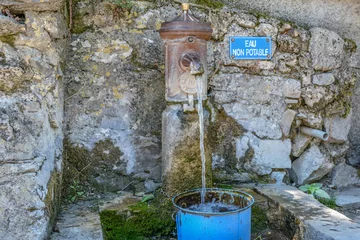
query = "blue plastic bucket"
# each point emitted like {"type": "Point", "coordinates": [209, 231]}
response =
{"type": "Point", "coordinates": [227, 225]}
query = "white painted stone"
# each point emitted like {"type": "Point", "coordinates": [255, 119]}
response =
{"type": "Point", "coordinates": [344, 175]}
{"type": "Point", "coordinates": [311, 166]}
{"type": "Point", "coordinates": [268, 154]}
{"type": "Point", "coordinates": [326, 48]}
{"type": "Point", "coordinates": [299, 144]}
{"type": "Point", "coordinates": [323, 79]}
{"type": "Point", "coordinates": [338, 128]}
{"type": "Point", "coordinates": [286, 121]}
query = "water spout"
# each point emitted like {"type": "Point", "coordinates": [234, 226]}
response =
{"type": "Point", "coordinates": [199, 86]}
{"type": "Point", "coordinates": [196, 68]}
{"type": "Point", "coordinates": [315, 133]}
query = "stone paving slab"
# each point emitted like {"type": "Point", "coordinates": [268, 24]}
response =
{"type": "Point", "coordinates": [79, 221]}
{"type": "Point", "coordinates": [349, 198]}
{"type": "Point", "coordinates": [308, 218]}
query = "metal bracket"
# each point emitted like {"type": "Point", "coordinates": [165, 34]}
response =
{"type": "Point", "coordinates": [189, 107]}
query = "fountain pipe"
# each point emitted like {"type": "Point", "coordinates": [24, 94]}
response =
{"type": "Point", "coordinates": [315, 133]}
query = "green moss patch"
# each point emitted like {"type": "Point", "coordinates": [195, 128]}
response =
{"type": "Point", "coordinates": [222, 133]}
{"type": "Point", "coordinates": [83, 166]}
{"type": "Point", "coordinates": [259, 221]}
{"type": "Point", "coordinates": [140, 221]}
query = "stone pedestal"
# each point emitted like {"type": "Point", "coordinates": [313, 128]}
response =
{"type": "Point", "coordinates": [181, 169]}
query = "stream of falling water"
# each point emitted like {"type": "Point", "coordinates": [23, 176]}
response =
{"type": "Point", "coordinates": [199, 86]}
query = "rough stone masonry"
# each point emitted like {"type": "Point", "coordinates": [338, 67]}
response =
{"type": "Point", "coordinates": [100, 93]}
{"type": "Point", "coordinates": [33, 36]}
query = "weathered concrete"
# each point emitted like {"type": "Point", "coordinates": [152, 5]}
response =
{"type": "Point", "coordinates": [300, 216]}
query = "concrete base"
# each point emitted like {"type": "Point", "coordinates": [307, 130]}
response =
{"type": "Point", "coordinates": [181, 151]}
{"type": "Point", "coordinates": [300, 216]}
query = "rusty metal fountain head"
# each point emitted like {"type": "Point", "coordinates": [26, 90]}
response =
{"type": "Point", "coordinates": [185, 56]}
{"type": "Point", "coordinates": [185, 25]}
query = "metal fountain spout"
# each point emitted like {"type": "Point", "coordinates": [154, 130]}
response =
{"type": "Point", "coordinates": [185, 57]}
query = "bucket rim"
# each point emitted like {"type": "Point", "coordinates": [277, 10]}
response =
{"type": "Point", "coordinates": [214, 190]}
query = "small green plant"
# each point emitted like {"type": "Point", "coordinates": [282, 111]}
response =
{"type": "Point", "coordinates": [76, 191]}
{"type": "Point", "coordinates": [315, 190]}
{"type": "Point", "coordinates": [330, 203]}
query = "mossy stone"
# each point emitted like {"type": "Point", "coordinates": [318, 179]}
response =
{"type": "Point", "coordinates": [140, 221]}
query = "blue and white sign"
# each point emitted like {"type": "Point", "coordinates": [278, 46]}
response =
{"type": "Point", "coordinates": [253, 48]}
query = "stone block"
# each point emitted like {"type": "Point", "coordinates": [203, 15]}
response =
{"type": "Point", "coordinates": [348, 198]}
{"type": "Point", "coordinates": [278, 177]}
{"type": "Point", "coordinates": [33, 5]}
{"type": "Point", "coordinates": [338, 128]}
{"type": "Point", "coordinates": [300, 216]}
{"type": "Point", "coordinates": [289, 44]}
{"type": "Point", "coordinates": [344, 175]}
{"type": "Point", "coordinates": [286, 121]}
{"type": "Point", "coordinates": [318, 96]}
{"type": "Point", "coordinates": [311, 166]}
{"type": "Point", "coordinates": [326, 48]}
{"type": "Point", "coordinates": [299, 144]}
{"type": "Point", "coordinates": [9, 26]}
{"type": "Point", "coordinates": [323, 79]}
{"type": "Point", "coordinates": [268, 154]}
{"type": "Point", "coordinates": [247, 96]}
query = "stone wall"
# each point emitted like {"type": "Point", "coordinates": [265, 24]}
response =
{"type": "Point", "coordinates": [308, 82]}
{"type": "Point", "coordinates": [111, 85]}
{"type": "Point", "coordinates": [32, 42]}
{"type": "Point", "coordinates": [115, 94]}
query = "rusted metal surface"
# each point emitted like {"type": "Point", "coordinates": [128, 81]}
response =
{"type": "Point", "coordinates": [179, 81]}
{"type": "Point", "coordinates": [185, 46]}
{"type": "Point", "coordinates": [185, 25]}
